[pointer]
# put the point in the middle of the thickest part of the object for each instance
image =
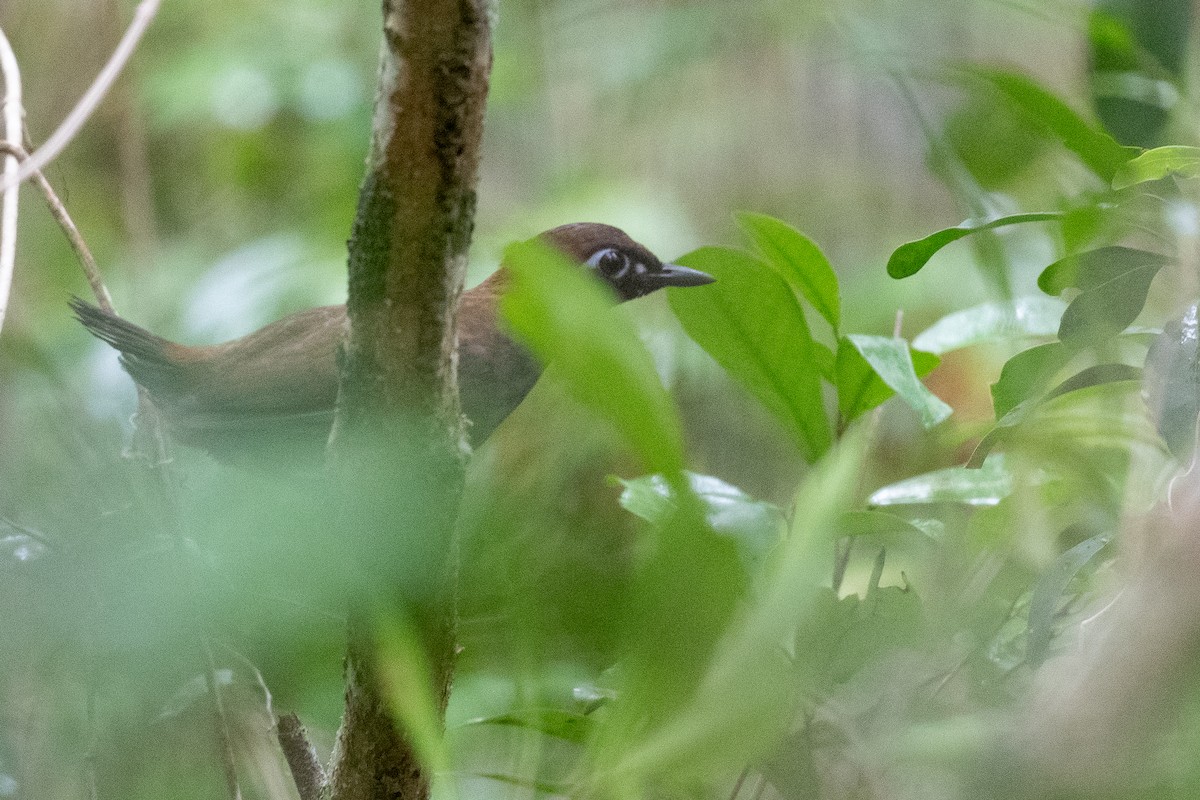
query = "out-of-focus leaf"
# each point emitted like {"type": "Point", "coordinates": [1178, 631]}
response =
{"type": "Point", "coordinates": [1099, 416]}
{"type": "Point", "coordinates": [403, 667]}
{"type": "Point", "coordinates": [565, 317]}
{"type": "Point", "coordinates": [1159, 163]}
{"type": "Point", "coordinates": [1047, 595]}
{"type": "Point", "coordinates": [986, 486]}
{"type": "Point", "coordinates": [878, 523]}
{"type": "Point", "coordinates": [541, 787]}
{"type": "Point", "coordinates": [1027, 374]}
{"type": "Point", "coordinates": [754, 525]}
{"type": "Point", "coordinates": [801, 263]}
{"type": "Point", "coordinates": [891, 359]}
{"type": "Point", "coordinates": [1094, 376]}
{"type": "Point", "coordinates": [1113, 283]}
{"type": "Point", "coordinates": [744, 705]}
{"type": "Point", "coordinates": [571, 726]}
{"type": "Point", "coordinates": [1095, 148]}
{"type": "Point", "coordinates": [908, 258]}
{"type": "Point", "coordinates": [991, 322]}
{"type": "Point", "coordinates": [1173, 382]}
{"type": "Point", "coordinates": [1138, 52]}
{"type": "Point", "coordinates": [860, 387]}
{"type": "Point", "coordinates": [195, 690]}
{"type": "Point", "coordinates": [752, 324]}
{"type": "Point", "coordinates": [826, 361]}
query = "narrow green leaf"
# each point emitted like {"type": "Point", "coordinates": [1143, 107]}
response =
{"type": "Point", "coordinates": [909, 257]}
{"type": "Point", "coordinates": [1095, 148]}
{"type": "Point", "coordinates": [860, 388]}
{"type": "Point", "coordinates": [1047, 595]}
{"type": "Point", "coordinates": [986, 486]}
{"type": "Point", "coordinates": [752, 324]}
{"type": "Point", "coordinates": [1159, 163]}
{"type": "Point", "coordinates": [992, 322]}
{"type": "Point", "coordinates": [801, 263]}
{"type": "Point", "coordinates": [892, 361]}
{"type": "Point", "coordinates": [565, 317]}
{"type": "Point", "coordinates": [1113, 283]}
{"type": "Point", "coordinates": [567, 725]}
{"type": "Point", "coordinates": [1027, 374]}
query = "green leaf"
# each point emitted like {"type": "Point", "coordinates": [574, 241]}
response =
{"type": "Point", "coordinates": [1027, 374]}
{"type": "Point", "coordinates": [1047, 595]}
{"type": "Point", "coordinates": [1113, 284]}
{"type": "Point", "coordinates": [1173, 382]}
{"type": "Point", "coordinates": [877, 524]}
{"type": "Point", "coordinates": [755, 526]}
{"type": "Point", "coordinates": [745, 703]}
{"type": "Point", "coordinates": [568, 725]}
{"type": "Point", "coordinates": [750, 322]}
{"type": "Point", "coordinates": [566, 317]}
{"type": "Point", "coordinates": [1090, 415]}
{"type": "Point", "coordinates": [860, 388]}
{"type": "Point", "coordinates": [892, 361]}
{"type": "Point", "coordinates": [986, 486]}
{"type": "Point", "coordinates": [1095, 148]}
{"type": "Point", "coordinates": [992, 322]}
{"type": "Point", "coordinates": [909, 257]}
{"type": "Point", "coordinates": [1159, 163]}
{"type": "Point", "coordinates": [801, 263]}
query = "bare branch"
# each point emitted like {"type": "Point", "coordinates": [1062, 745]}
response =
{"type": "Point", "coordinates": [13, 111]}
{"type": "Point", "coordinates": [301, 756]}
{"type": "Point", "coordinates": [66, 131]}
{"type": "Point", "coordinates": [59, 211]}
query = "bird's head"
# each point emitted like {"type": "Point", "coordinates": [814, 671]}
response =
{"type": "Point", "coordinates": [628, 267]}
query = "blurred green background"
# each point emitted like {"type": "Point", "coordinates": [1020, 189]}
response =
{"type": "Point", "coordinates": [217, 184]}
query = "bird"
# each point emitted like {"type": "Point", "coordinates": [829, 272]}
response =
{"type": "Point", "coordinates": [276, 388]}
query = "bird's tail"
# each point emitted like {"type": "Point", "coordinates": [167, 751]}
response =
{"type": "Point", "coordinates": [145, 356]}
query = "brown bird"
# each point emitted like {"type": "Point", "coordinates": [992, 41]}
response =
{"type": "Point", "coordinates": [277, 387]}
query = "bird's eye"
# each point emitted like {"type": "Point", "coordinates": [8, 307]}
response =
{"type": "Point", "coordinates": [611, 263]}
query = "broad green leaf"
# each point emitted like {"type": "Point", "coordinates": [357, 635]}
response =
{"type": "Point", "coordinates": [860, 387]}
{"type": "Point", "coordinates": [826, 361]}
{"type": "Point", "coordinates": [1173, 382]}
{"type": "Point", "coordinates": [754, 525]}
{"type": "Point", "coordinates": [801, 263]}
{"type": "Point", "coordinates": [1095, 148]}
{"type": "Point", "coordinates": [892, 361]}
{"type": "Point", "coordinates": [1048, 592]}
{"type": "Point", "coordinates": [1113, 284]}
{"type": "Point", "coordinates": [1027, 374]}
{"type": "Point", "coordinates": [909, 257]}
{"type": "Point", "coordinates": [986, 486]}
{"type": "Point", "coordinates": [565, 317]}
{"type": "Point", "coordinates": [1159, 163]}
{"type": "Point", "coordinates": [991, 322]}
{"type": "Point", "coordinates": [752, 324]}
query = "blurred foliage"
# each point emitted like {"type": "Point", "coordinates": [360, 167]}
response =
{"type": "Point", "coordinates": [726, 564]}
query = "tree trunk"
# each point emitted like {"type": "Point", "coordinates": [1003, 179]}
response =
{"type": "Point", "coordinates": [397, 448]}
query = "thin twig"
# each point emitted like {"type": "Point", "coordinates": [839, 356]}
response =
{"type": "Point", "coordinates": [301, 756]}
{"type": "Point", "coordinates": [13, 111]}
{"type": "Point", "coordinates": [66, 131]}
{"type": "Point", "coordinates": [59, 211]}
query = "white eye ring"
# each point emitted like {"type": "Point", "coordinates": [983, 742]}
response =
{"type": "Point", "coordinates": [610, 262]}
